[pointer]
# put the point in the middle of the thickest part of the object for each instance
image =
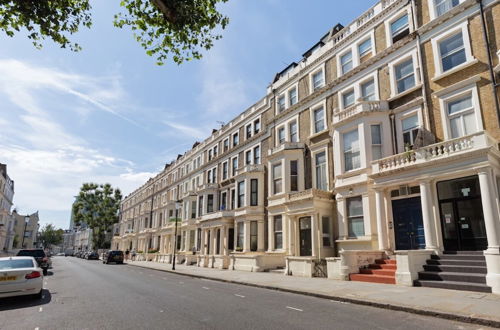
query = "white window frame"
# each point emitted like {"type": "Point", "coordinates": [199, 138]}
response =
{"type": "Point", "coordinates": [388, 22]}
{"type": "Point", "coordinates": [354, 49]}
{"type": "Point", "coordinates": [288, 124]}
{"type": "Point", "coordinates": [251, 130]}
{"type": "Point", "coordinates": [357, 89]}
{"type": "Point", "coordinates": [433, 10]}
{"type": "Point", "coordinates": [312, 73]}
{"type": "Point", "coordinates": [278, 128]}
{"type": "Point", "coordinates": [469, 58]}
{"type": "Point", "coordinates": [232, 138]}
{"type": "Point", "coordinates": [284, 96]}
{"type": "Point", "coordinates": [313, 155]}
{"type": "Point", "coordinates": [453, 95]}
{"type": "Point", "coordinates": [228, 144]}
{"type": "Point", "coordinates": [392, 72]}
{"type": "Point", "coordinates": [362, 153]}
{"type": "Point", "coordinates": [344, 92]}
{"type": "Point", "coordinates": [353, 65]}
{"type": "Point", "coordinates": [283, 183]}
{"type": "Point", "coordinates": [315, 107]}
{"type": "Point", "coordinates": [399, 126]}
{"type": "Point", "coordinates": [296, 87]}
{"type": "Point", "coordinates": [228, 170]}
{"type": "Point", "coordinates": [231, 167]}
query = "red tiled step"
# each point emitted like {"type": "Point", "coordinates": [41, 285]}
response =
{"type": "Point", "coordinates": [386, 272]}
{"type": "Point", "coordinates": [383, 266]}
{"type": "Point", "coordinates": [385, 261]}
{"type": "Point", "coordinates": [371, 278]}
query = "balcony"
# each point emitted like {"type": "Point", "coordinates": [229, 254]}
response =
{"type": "Point", "coordinates": [285, 146]}
{"type": "Point", "coordinates": [362, 107]}
{"type": "Point", "coordinates": [434, 153]}
{"type": "Point", "coordinates": [250, 169]}
{"type": "Point", "coordinates": [208, 186]}
{"type": "Point", "coordinates": [308, 194]}
{"type": "Point", "coordinates": [217, 215]}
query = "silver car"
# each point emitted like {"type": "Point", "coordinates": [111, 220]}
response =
{"type": "Point", "coordinates": [20, 276]}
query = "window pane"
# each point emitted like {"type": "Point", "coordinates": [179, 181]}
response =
{"type": "Point", "coordinates": [317, 80]}
{"type": "Point", "coordinates": [281, 135]}
{"type": "Point", "coordinates": [293, 131]}
{"type": "Point", "coordinates": [281, 103]}
{"type": "Point", "coordinates": [469, 123]}
{"type": "Point", "coordinates": [365, 47]}
{"type": "Point", "coordinates": [452, 51]}
{"type": "Point", "coordinates": [319, 116]}
{"type": "Point", "coordinates": [354, 207]}
{"type": "Point", "coordinates": [292, 96]}
{"type": "Point", "coordinates": [356, 227]}
{"type": "Point", "coordinates": [459, 105]}
{"type": "Point", "coordinates": [409, 123]}
{"type": "Point", "coordinates": [321, 181]}
{"type": "Point", "coordinates": [346, 62]}
{"type": "Point", "coordinates": [443, 6]}
{"type": "Point", "coordinates": [348, 98]}
{"type": "Point", "coordinates": [368, 91]}
{"type": "Point", "coordinates": [399, 25]}
{"type": "Point", "coordinates": [376, 136]}
{"type": "Point", "coordinates": [405, 79]}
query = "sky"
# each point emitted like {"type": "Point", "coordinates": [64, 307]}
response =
{"type": "Point", "coordinates": [109, 114]}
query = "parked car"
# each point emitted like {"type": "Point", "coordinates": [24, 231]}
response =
{"type": "Point", "coordinates": [41, 258]}
{"type": "Point", "coordinates": [113, 256]}
{"type": "Point", "coordinates": [20, 276]}
{"type": "Point", "coordinates": [92, 256]}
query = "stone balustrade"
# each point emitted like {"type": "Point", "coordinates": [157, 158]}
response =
{"type": "Point", "coordinates": [360, 107]}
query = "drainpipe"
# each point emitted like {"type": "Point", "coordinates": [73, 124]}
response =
{"type": "Point", "coordinates": [393, 134]}
{"type": "Point", "coordinates": [425, 112]}
{"type": "Point", "coordinates": [494, 85]}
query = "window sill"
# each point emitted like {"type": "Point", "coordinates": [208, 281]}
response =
{"type": "Point", "coordinates": [454, 70]}
{"type": "Point", "coordinates": [318, 134]}
{"type": "Point", "coordinates": [406, 92]}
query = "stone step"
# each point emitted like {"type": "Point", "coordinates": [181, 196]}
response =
{"type": "Point", "coordinates": [386, 272]}
{"type": "Point", "coordinates": [453, 285]}
{"type": "Point", "coordinates": [452, 276]}
{"type": "Point", "coordinates": [456, 268]}
{"type": "Point", "coordinates": [277, 271]}
{"type": "Point", "coordinates": [481, 263]}
{"type": "Point", "coordinates": [458, 257]}
{"type": "Point", "coordinates": [383, 266]}
{"type": "Point", "coordinates": [480, 253]}
{"type": "Point", "coordinates": [371, 278]}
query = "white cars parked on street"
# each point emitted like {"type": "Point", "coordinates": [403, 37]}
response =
{"type": "Point", "coordinates": [20, 276]}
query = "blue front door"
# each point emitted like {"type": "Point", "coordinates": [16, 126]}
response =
{"type": "Point", "coordinates": [408, 225]}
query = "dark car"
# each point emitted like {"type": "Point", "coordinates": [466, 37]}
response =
{"type": "Point", "coordinates": [92, 256]}
{"type": "Point", "coordinates": [113, 256]}
{"type": "Point", "coordinates": [41, 258]}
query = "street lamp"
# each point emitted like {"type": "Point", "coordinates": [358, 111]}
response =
{"type": "Point", "coordinates": [177, 207]}
{"type": "Point", "coordinates": [26, 220]}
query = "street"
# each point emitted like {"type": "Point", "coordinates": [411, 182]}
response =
{"type": "Point", "coordinates": [83, 294]}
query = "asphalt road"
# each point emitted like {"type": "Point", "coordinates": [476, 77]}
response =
{"type": "Point", "coordinates": [81, 294]}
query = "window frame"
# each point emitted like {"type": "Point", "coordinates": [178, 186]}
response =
{"type": "Point", "coordinates": [275, 179]}
{"type": "Point", "coordinates": [320, 68]}
{"type": "Point", "coordinates": [313, 120]}
{"type": "Point", "coordinates": [314, 155]}
{"type": "Point", "coordinates": [279, 232]}
{"type": "Point", "coordinates": [350, 217]}
{"type": "Point", "coordinates": [392, 71]}
{"type": "Point", "coordinates": [433, 9]}
{"type": "Point", "coordinates": [254, 193]}
{"type": "Point", "coordinates": [448, 33]}
{"type": "Point", "coordinates": [388, 22]}
{"type": "Point", "coordinates": [342, 145]}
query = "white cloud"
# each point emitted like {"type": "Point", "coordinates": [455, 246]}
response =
{"type": "Point", "coordinates": [193, 132]}
{"type": "Point", "coordinates": [47, 160]}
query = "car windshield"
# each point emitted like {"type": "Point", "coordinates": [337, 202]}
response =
{"type": "Point", "coordinates": [13, 263]}
{"type": "Point", "coordinates": [31, 253]}
{"type": "Point", "coordinates": [116, 253]}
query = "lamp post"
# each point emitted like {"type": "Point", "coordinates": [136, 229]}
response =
{"type": "Point", "coordinates": [177, 207]}
{"type": "Point", "coordinates": [26, 220]}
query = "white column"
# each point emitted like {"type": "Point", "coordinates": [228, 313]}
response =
{"type": "Point", "coordinates": [490, 211]}
{"type": "Point", "coordinates": [260, 236]}
{"type": "Point", "coordinates": [427, 216]}
{"type": "Point", "coordinates": [270, 233]}
{"type": "Point", "coordinates": [381, 220]}
{"type": "Point", "coordinates": [203, 249]}
{"type": "Point", "coordinates": [314, 234]}
{"type": "Point", "coordinates": [213, 239]}
{"type": "Point", "coordinates": [187, 240]}
{"type": "Point", "coordinates": [196, 238]}
{"type": "Point", "coordinates": [287, 238]}
{"type": "Point", "coordinates": [294, 244]}
{"type": "Point", "coordinates": [223, 241]}
{"type": "Point", "coordinates": [246, 231]}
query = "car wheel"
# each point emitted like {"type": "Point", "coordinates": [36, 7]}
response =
{"type": "Point", "coordinates": [38, 296]}
{"type": "Point", "coordinates": [45, 272]}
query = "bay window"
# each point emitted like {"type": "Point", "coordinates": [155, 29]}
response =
{"type": "Point", "coordinates": [254, 191]}
{"type": "Point", "coordinates": [278, 232]}
{"type": "Point", "coordinates": [352, 159]}
{"type": "Point", "coordinates": [277, 179]}
{"type": "Point", "coordinates": [292, 129]}
{"type": "Point", "coordinates": [355, 220]}
{"type": "Point", "coordinates": [241, 194]}
{"type": "Point", "coordinates": [321, 174]}
{"type": "Point", "coordinates": [376, 135]}
{"type": "Point", "coordinates": [294, 175]}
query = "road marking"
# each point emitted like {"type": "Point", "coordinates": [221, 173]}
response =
{"type": "Point", "coordinates": [181, 282]}
{"type": "Point", "coordinates": [239, 295]}
{"type": "Point", "coordinates": [204, 287]}
{"type": "Point", "coordinates": [161, 311]}
{"type": "Point", "coordinates": [164, 278]}
{"type": "Point", "coordinates": [295, 309]}
{"type": "Point", "coordinates": [40, 309]}
{"type": "Point", "coordinates": [37, 328]}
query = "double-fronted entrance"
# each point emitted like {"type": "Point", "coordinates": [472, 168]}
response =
{"type": "Point", "coordinates": [461, 214]}
{"type": "Point", "coordinates": [408, 225]}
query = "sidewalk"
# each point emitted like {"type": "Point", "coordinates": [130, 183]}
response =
{"type": "Point", "coordinates": [479, 308]}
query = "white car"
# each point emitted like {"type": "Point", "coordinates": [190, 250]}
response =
{"type": "Point", "coordinates": [20, 276]}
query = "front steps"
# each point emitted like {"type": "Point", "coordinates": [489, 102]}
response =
{"type": "Point", "coordinates": [382, 271]}
{"type": "Point", "coordinates": [457, 270]}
